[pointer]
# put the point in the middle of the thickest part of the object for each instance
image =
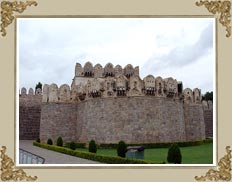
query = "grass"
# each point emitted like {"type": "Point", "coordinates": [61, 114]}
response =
{"type": "Point", "coordinates": [202, 154]}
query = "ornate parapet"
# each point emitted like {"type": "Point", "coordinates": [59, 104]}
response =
{"type": "Point", "coordinates": [95, 81]}
{"type": "Point", "coordinates": [97, 71]}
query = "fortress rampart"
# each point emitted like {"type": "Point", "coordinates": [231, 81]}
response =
{"type": "Point", "coordinates": [111, 104]}
{"type": "Point", "coordinates": [208, 117]}
{"type": "Point", "coordinates": [29, 114]}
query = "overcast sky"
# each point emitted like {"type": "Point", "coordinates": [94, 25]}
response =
{"type": "Point", "coordinates": [182, 48]}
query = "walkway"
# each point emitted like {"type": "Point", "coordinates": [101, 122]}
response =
{"type": "Point", "coordinates": [52, 157]}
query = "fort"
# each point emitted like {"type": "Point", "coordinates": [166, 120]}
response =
{"type": "Point", "coordinates": [113, 103]}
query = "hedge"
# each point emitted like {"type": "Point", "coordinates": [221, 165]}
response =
{"type": "Point", "coordinates": [158, 145]}
{"type": "Point", "coordinates": [92, 147]}
{"type": "Point", "coordinates": [95, 157]}
{"type": "Point", "coordinates": [208, 140]}
{"type": "Point", "coordinates": [78, 145]}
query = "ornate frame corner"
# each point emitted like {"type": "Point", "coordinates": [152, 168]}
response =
{"type": "Point", "coordinates": [8, 171]}
{"type": "Point", "coordinates": [7, 9]}
{"type": "Point", "coordinates": [222, 8]}
{"type": "Point", "coordinates": [224, 170]}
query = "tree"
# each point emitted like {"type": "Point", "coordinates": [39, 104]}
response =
{"type": "Point", "coordinates": [38, 85]}
{"type": "Point", "coordinates": [174, 154]}
{"type": "Point", "coordinates": [92, 146]}
{"type": "Point", "coordinates": [59, 141]}
{"type": "Point", "coordinates": [49, 141]}
{"type": "Point", "coordinates": [121, 150]}
{"type": "Point", "coordinates": [208, 96]}
{"type": "Point", "coordinates": [73, 146]}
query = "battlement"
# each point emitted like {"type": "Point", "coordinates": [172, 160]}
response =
{"type": "Point", "coordinates": [92, 82]}
{"type": "Point", "coordinates": [23, 92]}
{"type": "Point", "coordinates": [30, 98]}
{"type": "Point", "coordinates": [98, 71]}
{"type": "Point", "coordinates": [207, 105]}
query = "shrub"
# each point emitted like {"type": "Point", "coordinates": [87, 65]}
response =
{"type": "Point", "coordinates": [95, 157]}
{"type": "Point", "coordinates": [155, 145]}
{"type": "Point", "coordinates": [92, 146]}
{"type": "Point", "coordinates": [121, 150]}
{"type": "Point", "coordinates": [174, 154]}
{"type": "Point", "coordinates": [38, 140]}
{"type": "Point", "coordinates": [78, 145]}
{"type": "Point", "coordinates": [72, 146]}
{"type": "Point", "coordinates": [208, 140]}
{"type": "Point", "coordinates": [59, 141]}
{"type": "Point", "coordinates": [49, 142]}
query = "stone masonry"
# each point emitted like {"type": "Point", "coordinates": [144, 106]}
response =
{"type": "Point", "coordinates": [29, 114]}
{"type": "Point", "coordinates": [113, 103]}
{"type": "Point", "coordinates": [208, 117]}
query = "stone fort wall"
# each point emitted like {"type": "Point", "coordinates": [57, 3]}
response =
{"type": "Point", "coordinates": [113, 104]}
{"type": "Point", "coordinates": [132, 119]}
{"type": "Point", "coordinates": [58, 119]}
{"type": "Point", "coordinates": [208, 117]}
{"type": "Point", "coordinates": [29, 114]}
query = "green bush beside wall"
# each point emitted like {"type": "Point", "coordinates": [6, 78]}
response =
{"type": "Point", "coordinates": [77, 145]}
{"type": "Point", "coordinates": [95, 157]}
{"type": "Point", "coordinates": [157, 145]}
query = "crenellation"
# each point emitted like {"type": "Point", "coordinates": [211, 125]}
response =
{"type": "Point", "coordinates": [136, 71]}
{"type": "Point", "coordinates": [118, 70]}
{"type": "Point", "coordinates": [98, 71]}
{"type": "Point", "coordinates": [23, 91]}
{"type": "Point", "coordinates": [38, 91]}
{"type": "Point", "coordinates": [128, 70]}
{"type": "Point", "coordinates": [78, 70]}
{"type": "Point", "coordinates": [159, 85]}
{"type": "Point", "coordinates": [45, 93]}
{"type": "Point", "coordinates": [113, 81]}
{"type": "Point", "coordinates": [170, 87]}
{"type": "Point", "coordinates": [64, 93]}
{"type": "Point", "coordinates": [188, 96]}
{"type": "Point", "coordinates": [31, 91]}
{"type": "Point", "coordinates": [53, 93]}
{"type": "Point", "coordinates": [109, 70]}
{"type": "Point", "coordinates": [149, 85]}
{"type": "Point", "coordinates": [197, 95]}
{"type": "Point", "coordinates": [135, 86]}
{"type": "Point", "coordinates": [210, 105]}
{"type": "Point", "coordinates": [88, 69]}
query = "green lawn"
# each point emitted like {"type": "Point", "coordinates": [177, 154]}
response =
{"type": "Point", "coordinates": [202, 154]}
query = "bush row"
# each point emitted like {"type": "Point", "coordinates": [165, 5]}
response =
{"type": "Point", "coordinates": [95, 157]}
{"type": "Point", "coordinates": [77, 145]}
{"type": "Point", "coordinates": [158, 145]}
{"type": "Point", "coordinates": [208, 140]}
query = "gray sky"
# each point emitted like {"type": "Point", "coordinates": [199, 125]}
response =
{"type": "Point", "coordinates": [182, 48]}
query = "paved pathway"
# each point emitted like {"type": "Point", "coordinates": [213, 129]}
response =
{"type": "Point", "coordinates": [52, 157]}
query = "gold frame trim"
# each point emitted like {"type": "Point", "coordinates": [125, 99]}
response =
{"type": "Point", "coordinates": [8, 171]}
{"type": "Point", "coordinates": [7, 164]}
{"type": "Point", "coordinates": [7, 12]}
{"type": "Point", "coordinates": [223, 172]}
{"type": "Point", "coordinates": [222, 8]}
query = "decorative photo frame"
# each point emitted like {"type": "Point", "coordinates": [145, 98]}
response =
{"type": "Point", "coordinates": [221, 11]}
